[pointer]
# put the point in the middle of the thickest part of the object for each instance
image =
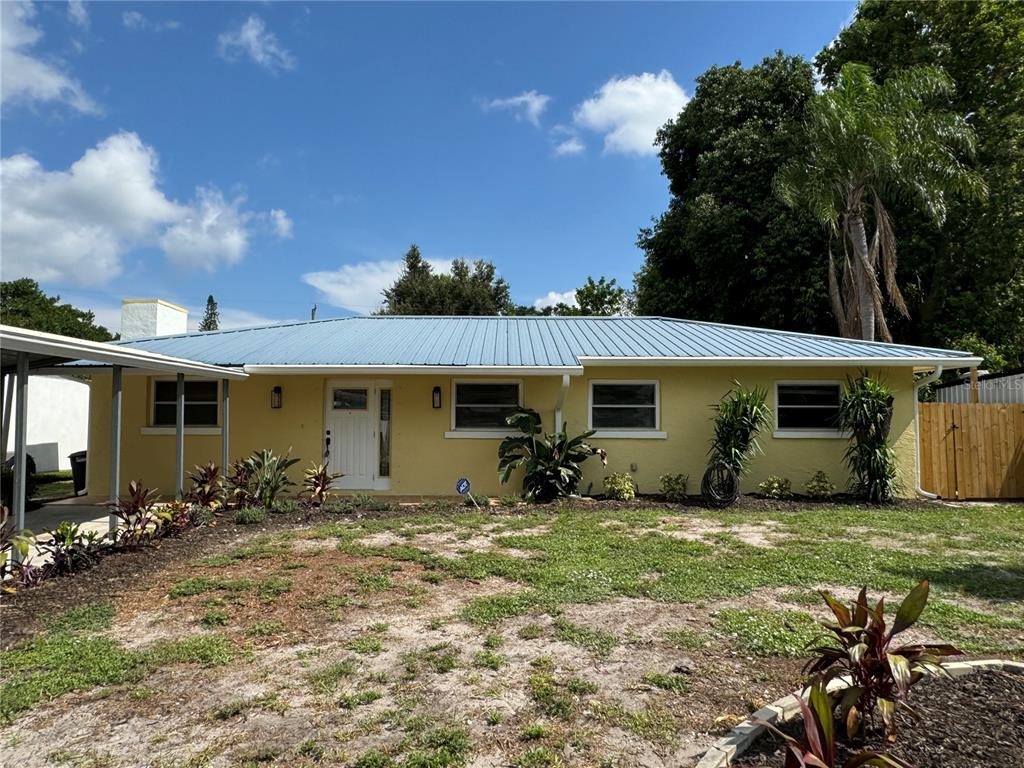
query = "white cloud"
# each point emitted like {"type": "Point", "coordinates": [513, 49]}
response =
{"type": "Point", "coordinates": [253, 40]}
{"type": "Point", "coordinates": [231, 318]}
{"type": "Point", "coordinates": [136, 22]}
{"type": "Point", "coordinates": [360, 287]}
{"type": "Point", "coordinates": [554, 297]}
{"type": "Point", "coordinates": [25, 78]}
{"type": "Point", "coordinates": [77, 14]}
{"type": "Point", "coordinates": [283, 226]}
{"type": "Point", "coordinates": [76, 225]}
{"type": "Point", "coordinates": [570, 146]}
{"type": "Point", "coordinates": [630, 110]}
{"type": "Point", "coordinates": [211, 232]}
{"type": "Point", "coordinates": [526, 106]}
{"type": "Point", "coordinates": [108, 313]}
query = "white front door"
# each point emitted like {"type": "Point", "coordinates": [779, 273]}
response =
{"type": "Point", "coordinates": [350, 434]}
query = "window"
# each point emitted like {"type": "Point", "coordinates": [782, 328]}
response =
{"type": "Point", "coordinates": [350, 399]}
{"type": "Point", "coordinates": [484, 405]}
{"type": "Point", "coordinates": [624, 405]}
{"type": "Point", "coordinates": [200, 403]}
{"type": "Point", "coordinates": [384, 431]}
{"type": "Point", "coordinates": [807, 406]}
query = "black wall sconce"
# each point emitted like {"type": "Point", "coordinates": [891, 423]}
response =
{"type": "Point", "coordinates": [275, 397]}
{"type": "Point", "coordinates": [435, 397]}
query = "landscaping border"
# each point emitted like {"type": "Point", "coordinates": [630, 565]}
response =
{"type": "Point", "coordinates": [723, 751]}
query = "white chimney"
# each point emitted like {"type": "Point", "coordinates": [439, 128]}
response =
{"type": "Point", "coordinates": [151, 317]}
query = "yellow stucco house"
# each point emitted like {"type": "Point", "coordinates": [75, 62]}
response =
{"type": "Point", "coordinates": [405, 406]}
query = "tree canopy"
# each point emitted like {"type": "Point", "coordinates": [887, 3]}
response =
{"type": "Point", "coordinates": [965, 279]}
{"type": "Point", "coordinates": [23, 304]}
{"type": "Point", "coordinates": [211, 317]}
{"type": "Point", "coordinates": [476, 290]}
{"type": "Point", "coordinates": [727, 249]}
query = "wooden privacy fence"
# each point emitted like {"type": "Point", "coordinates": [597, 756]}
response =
{"type": "Point", "coordinates": [972, 450]}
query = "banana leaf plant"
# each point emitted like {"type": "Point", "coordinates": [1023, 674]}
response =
{"type": "Point", "coordinates": [552, 462]}
{"type": "Point", "coordinates": [864, 649]}
{"type": "Point", "coordinates": [817, 747]}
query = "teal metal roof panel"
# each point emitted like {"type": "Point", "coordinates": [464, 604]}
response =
{"type": "Point", "coordinates": [515, 342]}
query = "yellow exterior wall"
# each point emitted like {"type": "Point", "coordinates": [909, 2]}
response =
{"type": "Point", "coordinates": [425, 462]}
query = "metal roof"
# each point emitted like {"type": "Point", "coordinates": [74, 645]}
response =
{"type": "Point", "coordinates": [46, 350]}
{"type": "Point", "coordinates": [525, 344]}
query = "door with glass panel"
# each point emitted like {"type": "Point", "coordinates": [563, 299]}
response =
{"type": "Point", "coordinates": [357, 434]}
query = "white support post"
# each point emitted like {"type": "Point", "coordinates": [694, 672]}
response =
{"type": "Point", "coordinates": [225, 408]}
{"type": "Point", "coordinates": [20, 436]}
{"type": "Point", "coordinates": [560, 403]}
{"type": "Point", "coordinates": [8, 405]}
{"type": "Point", "coordinates": [115, 443]}
{"type": "Point", "coordinates": [179, 439]}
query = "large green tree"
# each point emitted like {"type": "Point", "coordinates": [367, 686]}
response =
{"type": "Point", "coordinates": [967, 277]}
{"type": "Point", "coordinates": [466, 290]}
{"type": "Point", "coordinates": [211, 317]}
{"type": "Point", "coordinates": [727, 249]}
{"type": "Point", "coordinates": [23, 304]}
{"type": "Point", "coordinates": [867, 147]}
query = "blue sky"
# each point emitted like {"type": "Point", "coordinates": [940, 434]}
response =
{"type": "Point", "coordinates": [278, 155]}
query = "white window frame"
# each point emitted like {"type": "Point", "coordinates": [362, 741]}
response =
{"type": "Point", "coordinates": [635, 433]}
{"type": "Point", "coordinates": [152, 428]}
{"type": "Point", "coordinates": [786, 433]}
{"type": "Point", "coordinates": [492, 433]}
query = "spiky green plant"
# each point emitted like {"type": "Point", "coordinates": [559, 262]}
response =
{"type": "Point", "coordinates": [865, 411]}
{"type": "Point", "coordinates": [739, 417]}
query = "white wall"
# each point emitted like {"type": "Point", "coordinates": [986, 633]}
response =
{"type": "Point", "coordinates": [58, 421]}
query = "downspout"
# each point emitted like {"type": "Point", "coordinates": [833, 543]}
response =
{"type": "Point", "coordinates": [933, 376]}
{"type": "Point", "coordinates": [561, 402]}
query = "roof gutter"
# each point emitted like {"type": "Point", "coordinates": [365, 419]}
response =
{"type": "Point", "coordinates": [933, 376]}
{"type": "Point", "coordinates": [463, 370]}
{"type": "Point", "coordinates": [890, 362]}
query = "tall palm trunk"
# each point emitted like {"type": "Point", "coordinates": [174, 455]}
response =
{"type": "Point", "coordinates": [865, 301]}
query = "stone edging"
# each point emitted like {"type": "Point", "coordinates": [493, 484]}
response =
{"type": "Point", "coordinates": [722, 752]}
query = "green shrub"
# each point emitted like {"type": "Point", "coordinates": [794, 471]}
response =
{"type": "Point", "coordinates": [739, 417]}
{"type": "Point", "coordinates": [866, 413]}
{"type": "Point", "coordinates": [552, 462]}
{"type": "Point", "coordinates": [250, 516]}
{"type": "Point", "coordinates": [673, 487]}
{"type": "Point", "coordinates": [819, 486]}
{"type": "Point", "coordinates": [775, 487]}
{"type": "Point", "coordinates": [286, 506]}
{"type": "Point", "coordinates": [260, 478]}
{"type": "Point", "coordinates": [619, 486]}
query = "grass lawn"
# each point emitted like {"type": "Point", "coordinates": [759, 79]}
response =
{"type": "Point", "coordinates": [429, 640]}
{"type": "Point", "coordinates": [54, 485]}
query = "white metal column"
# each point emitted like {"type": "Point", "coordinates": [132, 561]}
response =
{"type": "Point", "coordinates": [225, 407]}
{"type": "Point", "coordinates": [20, 436]}
{"type": "Point", "coordinates": [115, 442]}
{"type": "Point", "coordinates": [179, 439]}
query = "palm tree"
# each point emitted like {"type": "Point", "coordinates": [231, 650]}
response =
{"type": "Point", "coordinates": [869, 144]}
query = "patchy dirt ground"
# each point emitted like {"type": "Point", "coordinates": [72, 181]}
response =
{"type": "Point", "coordinates": [350, 649]}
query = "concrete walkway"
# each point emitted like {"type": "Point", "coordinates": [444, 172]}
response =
{"type": "Point", "coordinates": [89, 512]}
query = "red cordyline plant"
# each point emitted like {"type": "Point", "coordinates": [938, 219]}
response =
{"type": "Point", "coordinates": [817, 747]}
{"type": "Point", "coordinates": [207, 489]}
{"type": "Point", "coordinates": [316, 485]}
{"type": "Point", "coordinates": [881, 674]}
{"type": "Point", "coordinates": [140, 518]}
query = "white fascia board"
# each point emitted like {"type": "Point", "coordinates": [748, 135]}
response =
{"type": "Point", "coordinates": [461, 370]}
{"type": "Point", "coordinates": [883, 362]}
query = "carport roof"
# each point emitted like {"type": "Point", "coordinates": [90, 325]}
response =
{"type": "Point", "coordinates": [46, 350]}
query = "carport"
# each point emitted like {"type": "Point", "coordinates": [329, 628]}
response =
{"type": "Point", "coordinates": [25, 352]}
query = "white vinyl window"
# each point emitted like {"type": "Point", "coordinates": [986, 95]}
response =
{"type": "Point", "coordinates": [807, 408]}
{"type": "Point", "coordinates": [629, 406]}
{"type": "Point", "coordinates": [484, 406]}
{"type": "Point", "coordinates": [201, 402]}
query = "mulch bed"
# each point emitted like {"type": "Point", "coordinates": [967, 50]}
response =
{"type": "Point", "coordinates": [967, 722]}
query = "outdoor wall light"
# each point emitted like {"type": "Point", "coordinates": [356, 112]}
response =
{"type": "Point", "coordinates": [435, 397]}
{"type": "Point", "coordinates": [275, 397]}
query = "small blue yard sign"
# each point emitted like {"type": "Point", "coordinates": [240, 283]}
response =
{"type": "Point", "coordinates": [462, 487]}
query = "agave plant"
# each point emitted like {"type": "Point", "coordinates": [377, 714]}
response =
{"type": "Point", "coordinates": [316, 484]}
{"type": "Point", "coordinates": [267, 475]}
{"type": "Point", "coordinates": [864, 650]}
{"type": "Point", "coordinates": [739, 417]}
{"type": "Point", "coordinates": [207, 487]}
{"type": "Point", "coordinates": [817, 747]}
{"type": "Point", "coordinates": [552, 461]}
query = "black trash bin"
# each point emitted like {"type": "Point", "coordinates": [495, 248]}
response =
{"type": "Point", "coordinates": [78, 471]}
